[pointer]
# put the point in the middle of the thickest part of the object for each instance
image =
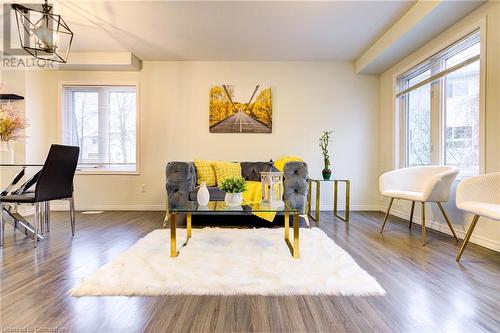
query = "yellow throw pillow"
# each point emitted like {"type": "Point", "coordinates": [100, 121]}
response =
{"type": "Point", "coordinates": [205, 172]}
{"type": "Point", "coordinates": [225, 170]}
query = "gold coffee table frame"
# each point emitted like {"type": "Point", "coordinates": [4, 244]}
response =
{"type": "Point", "coordinates": [335, 182]}
{"type": "Point", "coordinates": [215, 207]}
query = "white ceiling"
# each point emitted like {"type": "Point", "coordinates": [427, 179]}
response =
{"type": "Point", "coordinates": [230, 30]}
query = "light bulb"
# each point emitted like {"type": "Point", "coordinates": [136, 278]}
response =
{"type": "Point", "coordinates": [45, 36]}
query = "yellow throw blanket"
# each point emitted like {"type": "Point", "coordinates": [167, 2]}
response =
{"type": "Point", "coordinates": [253, 196]}
{"type": "Point", "coordinates": [280, 164]}
{"type": "Point", "coordinates": [253, 192]}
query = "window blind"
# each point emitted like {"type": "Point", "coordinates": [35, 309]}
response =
{"type": "Point", "coordinates": [456, 56]}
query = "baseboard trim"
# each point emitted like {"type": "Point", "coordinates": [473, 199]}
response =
{"type": "Point", "coordinates": [62, 206]}
{"type": "Point", "coordinates": [375, 208]}
{"type": "Point", "coordinates": [442, 227]}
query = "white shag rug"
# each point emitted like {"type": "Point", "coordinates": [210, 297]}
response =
{"type": "Point", "coordinates": [220, 261]}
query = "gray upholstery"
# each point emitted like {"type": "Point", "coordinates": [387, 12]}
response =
{"type": "Point", "coordinates": [251, 170]}
{"type": "Point", "coordinates": [216, 194]}
{"type": "Point", "coordinates": [181, 182]}
{"type": "Point", "coordinates": [295, 175]}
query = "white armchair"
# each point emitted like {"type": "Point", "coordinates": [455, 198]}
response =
{"type": "Point", "coordinates": [422, 184]}
{"type": "Point", "coordinates": [479, 196]}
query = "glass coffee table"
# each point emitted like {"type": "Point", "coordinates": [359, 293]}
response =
{"type": "Point", "coordinates": [191, 208]}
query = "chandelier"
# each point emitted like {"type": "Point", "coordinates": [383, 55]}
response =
{"type": "Point", "coordinates": [43, 34]}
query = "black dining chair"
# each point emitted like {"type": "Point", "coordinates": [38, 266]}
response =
{"type": "Point", "coordinates": [54, 182]}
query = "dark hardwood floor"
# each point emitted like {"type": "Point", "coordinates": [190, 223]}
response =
{"type": "Point", "coordinates": [427, 291]}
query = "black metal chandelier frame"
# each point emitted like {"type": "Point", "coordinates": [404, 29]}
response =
{"type": "Point", "coordinates": [23, 19]}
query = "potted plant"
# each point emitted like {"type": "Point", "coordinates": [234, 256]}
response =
{"type": "Point", "coordinates": [324, 141]}
{"type": "Point", "coordinates": [234, 188]}
{"type": "Point", "coordinates": [11, 124]}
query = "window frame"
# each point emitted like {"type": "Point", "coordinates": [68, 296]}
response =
{"type": "Point", "coordinates": [104, 170]}
{"type": "Point", "coordinates": [437, 105]}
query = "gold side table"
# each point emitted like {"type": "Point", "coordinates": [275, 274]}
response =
{"type": "Point", "coordinates": [335, 197]}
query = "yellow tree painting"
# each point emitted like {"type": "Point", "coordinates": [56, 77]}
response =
{"type": "Point", "coordinates": [240, 109]}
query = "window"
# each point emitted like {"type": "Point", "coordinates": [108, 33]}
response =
{"type": "Point", "coordinates": [102, 121]}
{"type": "Point", "coordinates": [438, 103]}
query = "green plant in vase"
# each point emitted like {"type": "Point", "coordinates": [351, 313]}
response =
{"type": "Point", "coordinates": [324, 141]}
{"type": "Point", "coordinates": [234, 188]}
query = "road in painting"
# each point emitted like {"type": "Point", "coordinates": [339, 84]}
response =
{"type": "Point", "coordinates": [240, 109]}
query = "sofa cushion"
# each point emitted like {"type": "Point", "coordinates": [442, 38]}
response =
{"type": "Point", "coordinates": [251, 170]}
{"type": "Point", "coordinates": [224, 170]}
{"type": "Point", "coordinates": [216, 194]}
{"type": "Point", "coordinates": [205, 172]}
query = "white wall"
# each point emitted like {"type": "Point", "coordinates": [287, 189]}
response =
{"type": "Point", "coordinates": [307, 98]}
{"type": "Point", "coordinates": [487, 233]}
{"type": "Point", "coordinates": [12, 82]}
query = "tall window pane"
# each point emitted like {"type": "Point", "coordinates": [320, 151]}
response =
{"type": "Point", "coordinates": [461, 128]}
{"type": "Point", "coordinates": [419, 126]}
{"type": "Point", "coordinates": [85, 120]}
{"type": "Point", "coordinates": [122, 126]}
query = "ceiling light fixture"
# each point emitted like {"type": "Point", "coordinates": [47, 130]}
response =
{"type": "Point", "coordinates": [43, 34]}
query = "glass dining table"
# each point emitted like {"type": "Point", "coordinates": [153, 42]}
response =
{"type": "Point", "coordinates": [11, 178]}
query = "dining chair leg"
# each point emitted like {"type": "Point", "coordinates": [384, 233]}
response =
{"type": "Point", "coordinates": [36, 224]}
{"type": "Point", "coordinates": [423, 223]}
{"type": "Point", "coordinates": [2, 225]}
{"type": "Point", "coordinates": [47, 216]}
{"type": "Point", "coordinates": [72, 215]}
{"type": "Point", "coordinates": [467, 237]}
{"type": "Point", "coordinates": [42, 217]}
{"type": "Point", "coordinates": [411, 213]}
{"type": "Point", "coordinates": [387, 215]}
{"type": "Point", "coordinates": [447, 220]}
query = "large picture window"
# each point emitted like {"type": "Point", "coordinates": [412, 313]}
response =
{"type": "Point", "coordinates": [439, 107]}
{"type": "Point", "coordinates": [102, 121]}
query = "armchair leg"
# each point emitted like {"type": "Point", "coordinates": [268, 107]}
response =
{"type": "Point", "coordinates": [387, 215]}
{"type": "Point", "coordinates": [72, 215]}
{"type": "Point", "coordinates": [467, 237]}
{"type": "Point", "coordinates": [411, 213]}
{"type": "Point", "coordinates": [447, 220]}
{"type": "Point", "coordinates": [423, 223]}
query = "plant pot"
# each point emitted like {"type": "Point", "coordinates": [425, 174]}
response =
{"type": "Point", "coordinates": [203, 196]}
{"type": "Point", "coordinates": [6, 152]}
{"type": "Point", "coordinates": [327, 173]}
{"type": "Point", "coordinates": [233, 199]}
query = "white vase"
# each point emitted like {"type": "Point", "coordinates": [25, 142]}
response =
{"type": "Point", "coordinates": [233, 199]}
{"type": "Point", "coordinates": [6, 152]}
{"type": "Point", "coordinates": [203, 196]}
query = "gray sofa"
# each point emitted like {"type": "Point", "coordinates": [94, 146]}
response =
{"type": "Point", "coordinates": [181, 182]}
